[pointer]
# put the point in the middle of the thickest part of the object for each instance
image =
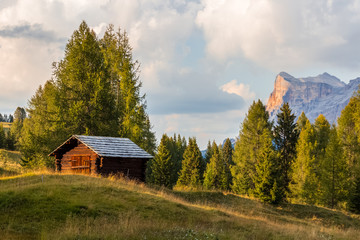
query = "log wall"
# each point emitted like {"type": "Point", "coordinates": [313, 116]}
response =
{"type": "Point", "coordinates": [80, 159]}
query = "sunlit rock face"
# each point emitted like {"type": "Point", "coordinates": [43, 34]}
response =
{"type": "Point", "coordinates": [323, 94]}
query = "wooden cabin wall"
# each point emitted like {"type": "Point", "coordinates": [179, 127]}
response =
{"type": "Point", "coordinates": [79, 151]}
{"type": "Point", "coordinates": [131, 167]}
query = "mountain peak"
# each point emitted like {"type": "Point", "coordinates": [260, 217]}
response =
{"type": "Point", "coordinates": [323, 94]}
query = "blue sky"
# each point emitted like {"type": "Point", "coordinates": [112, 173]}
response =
{"type": "Point", "coordinates": [202, 62]}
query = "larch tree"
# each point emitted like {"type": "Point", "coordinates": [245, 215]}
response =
{"type": "Point", "coordinates": [305, 183]}
{"type": "Point", "coordinates": [124, 75]}
{"type": "Point", "coordinates": [248, 148]}
{"type": "Point", "coordinates": [334, 173]}
{"type": "Point", "coordinates": [95, 90]}
{"type": "Point", "coordinates": [349, 134]}
{"type": "Point", "coordinates": [285, 138]}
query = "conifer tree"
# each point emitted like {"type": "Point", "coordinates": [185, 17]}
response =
{"type": "Point", "coordinates": [349, 135]}
{"type": "Point", "coordinates": [334, 172]}
{"type": "Point", "coordinates": [2, 137]}
{"type": "Point", "coordinates": [162, 164]}
{"type": "Point", "coordinates": [190, 170]}
{"type": "Point", "coordinates": [305, 182]}
{"type": "Point", "coordinates": [285, 138]}
{"type": "Point", "coordinates": [266, 180]}
{"type": "Point", "coordinates": [177, 148]}
{"type": "Point", "coordinates": [248, 148]}
{"type": "Point", "coordinates": [355, 197]}
{"type": "Point", "coordinates": [208, 153]}
{"type": "Point", "coordinates": [95, 90]}
{"type": "Point", "coordinates": [214, 176]}
{"type": "Point", "coordinates": [301, 122]}
{"type": "Point", "coordinates": [227, 154]}
{"type": "Point", "coordinates": [125, 82]}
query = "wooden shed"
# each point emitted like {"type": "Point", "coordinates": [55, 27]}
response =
{"type": "Point", "coordinates": [101, 155]}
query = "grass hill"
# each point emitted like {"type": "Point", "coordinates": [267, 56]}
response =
{"type": "Point", "coordinates": [52, 206]}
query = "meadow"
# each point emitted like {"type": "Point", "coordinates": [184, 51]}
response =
{"type": "Point", "coordinates": [46, 205]}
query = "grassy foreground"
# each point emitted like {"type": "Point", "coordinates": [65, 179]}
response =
{"type": "Point", "coordinates": [51, 206]}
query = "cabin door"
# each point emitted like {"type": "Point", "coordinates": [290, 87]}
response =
{"type": "Point", "coordinates": [80, 164]}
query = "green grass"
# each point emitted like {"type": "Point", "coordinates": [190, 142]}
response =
{"type": "Point", "coordinates": [10, 163]}
{"type": "Point", "coordinates": [51, 206]}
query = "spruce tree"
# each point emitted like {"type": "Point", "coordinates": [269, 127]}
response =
{"type": "Point", "coordinates": [227, 154]}
{"type": "Point", "coordinates": [248, 148]}
{"type": "Point", "coordinates": [161, 167]}
{"type": "Point", "coordinates": [215, 170]}
{"type": "Point", "coordinates": [190, 170]}
{"type": "Point", "coordinates": [285, 138]}
{"type": "Point", "coordinates": [266, 178]}
{"type": "Point", "coordinates": [305, 183]}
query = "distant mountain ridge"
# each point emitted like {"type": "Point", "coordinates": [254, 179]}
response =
{"type": "Point", "coordinates": [323, 94]}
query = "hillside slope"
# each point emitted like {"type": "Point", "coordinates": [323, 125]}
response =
{"type": "Point", "coordinates": [323, 94]}
{"type": "Point", "coordinates": [82, 207]}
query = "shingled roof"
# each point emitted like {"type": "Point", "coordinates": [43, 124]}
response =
{"type": "Point", "coordinates": [109, 146]}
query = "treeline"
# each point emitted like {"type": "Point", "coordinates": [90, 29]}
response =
{"type": "Point", "coordinates": [9, 139]}
{"type": "Point", "coordinates": [275, 162]}
{"type": "Point", "coordinates": [6, 118]}
{"type": "Point", "coordinates": [94, 90]}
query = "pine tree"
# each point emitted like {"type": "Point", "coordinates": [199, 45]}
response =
{"type": "Point", "coordinates": [248, 148]}
{"type": "Point", "coordinates": [190, 170]}
{"type": "Point", "coordinates": [305, 182]}
{"type": "Point", "coordinates": [266, 178]}
{"type": "Point", "coordinates": [285, 138]}
{"type": "Point", "coordinates": [162, 164]}
{"type": "Point", "coordinates": [355, 197]}
{"type": "Point", "coordinates": [334, 172]}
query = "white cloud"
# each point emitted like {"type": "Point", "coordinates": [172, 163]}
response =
{"type": "Point", "coordinates": [240, 89]}
{"type": "Point", "coordinates": [283, 34]}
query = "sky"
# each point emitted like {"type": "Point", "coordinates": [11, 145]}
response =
{"type": "Point", "coordinates": [202, 62]}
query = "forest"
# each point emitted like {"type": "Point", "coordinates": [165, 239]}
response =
{"type": "Point", "coordinates": [95, 90]}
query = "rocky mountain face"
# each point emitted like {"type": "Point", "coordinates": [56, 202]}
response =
{"type": "Point", "coordinates": [323, 94]}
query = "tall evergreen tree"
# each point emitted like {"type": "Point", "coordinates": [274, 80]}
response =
{"type": "Point", "coordinates": [124, 76]}
{"type": "Point", "coordinates": [215, 171]}
{"type": "Point", "coordinates": [227, 154]}
{"type": "Point", "coordinates": [162, 164]}
{"type": "Point", "coordinates": [190, 170]}
{"type": "Point", "coordinates": [177, 149]}
{"type": "Point", "coordinates": [301, 122]}
{"type": "Point", "coordinates": [305, 183]}
{"type": "Point", "coordinates": [266, 178]}
{"type": "Point", "coordinates": [248, 148]}
{"type": "Point", "coordinates": [285, 138]}
{"type": "Point", "coordinates": [91, 93]}
{"type": "Point", "coordinates": [2, 137]}
{"type": "Point", "coordinates": [334, 172]}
